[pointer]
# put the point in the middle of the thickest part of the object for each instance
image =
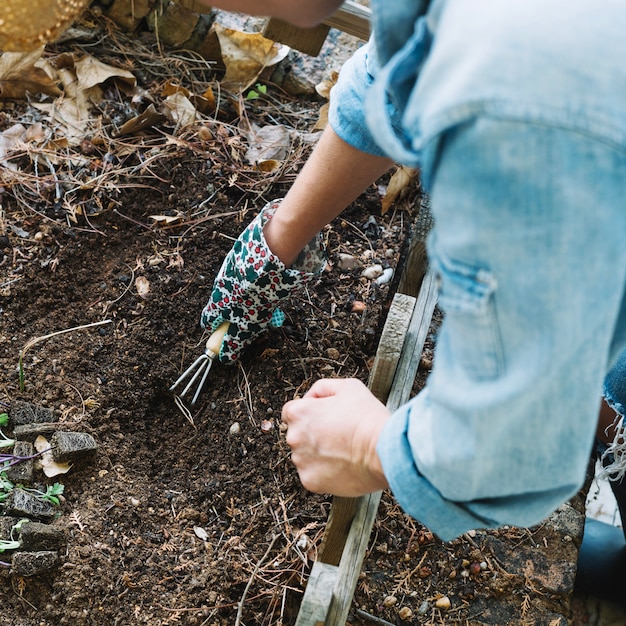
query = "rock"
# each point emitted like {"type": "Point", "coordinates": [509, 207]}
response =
{"type": "Point", "coordinates": [69, 446]}
{"type": "Point", "coordinates": [385, 277]}
{"type": "Point", "coordinates": [36, 536]}
{"type": "Point", "coordinates": [372, 272]}
{"type": "Point", "coordinates": [33, 563]}
{"type": "Point", "coordinates": [28, 413]}
{"type": "Point", "coordinates": [20, 504]}
{"type": "Point", "coordinates": [348, 262]}
{"type": "Point", "coordinates": [22, 472]}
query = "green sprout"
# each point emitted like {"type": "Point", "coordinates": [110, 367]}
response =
{"type": "Point", "coordinates": [5, 442]}
{"type": "Point", "coordinates": [259, 90]}
{"type": "Point", "coordinates": [51, 494]}
{"type": "Point", "coordinates": [6, 486]}
{"type": "Point", "coordinates": [12, 543]}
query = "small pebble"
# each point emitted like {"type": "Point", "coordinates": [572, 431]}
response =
{"type": "Point", "coordinates": [424, 607]}
{"type": "Point", "coordinates": [333, 353]}
{"type": "Point", "coordinates": [348, 262]}
{"type": "Point", "coordinates": [405, 613]}
{"type": "Point", "coordinates": [443, 603]}
{"type": "Point", "coordinates": [385, 277]}
{"type": "Point", "coordinates": [390, 601]}
{"type": "Point", "coordinates": [372, 272]}
{"type": "Point", "coordinates": [235, 428]}
{"type": "Point", "coordinates": [358, 306]}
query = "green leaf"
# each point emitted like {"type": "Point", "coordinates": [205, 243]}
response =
{"type": "Point", "coordinates": [4, 419]}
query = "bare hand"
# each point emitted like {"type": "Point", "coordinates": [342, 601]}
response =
{"type": "Point", "coordinates": [332, 432]}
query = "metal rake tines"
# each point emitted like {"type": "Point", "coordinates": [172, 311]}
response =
{"type": "Point", "coordinates": [200, 367]}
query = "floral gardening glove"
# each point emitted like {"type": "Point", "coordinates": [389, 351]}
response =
{"type": "Point", "coordinates": [252, 282]}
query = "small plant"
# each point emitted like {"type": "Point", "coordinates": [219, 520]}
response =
{"type": "Point", "coordinates": [6, 486]}
{"type": "Point", "coordinates": [259, 89]}
{"type": "Point", "coordinates": [51, 494]}
{"type": "Point", "coordinates": [5, 442]}
{"type": "Point", "coordinates": [12, 543]}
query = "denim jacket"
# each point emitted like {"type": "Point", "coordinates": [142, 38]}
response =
{"type": "Point", "coordinates": [516, 113]}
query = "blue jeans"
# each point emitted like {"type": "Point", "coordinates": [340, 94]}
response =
{"type": "Point", "coordinates": [515, 113]}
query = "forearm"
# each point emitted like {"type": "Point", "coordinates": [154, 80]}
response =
{"type": "Point", "coordinates": [303, 14]}
{"type": "Point", "coordinates": [332, 178]}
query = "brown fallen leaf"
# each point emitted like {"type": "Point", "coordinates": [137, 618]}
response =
{"type": "Point", "coordinates": [401, 180]}
{"type": "Point", "coordinates": [246, 55]}
{"type": "Point", "coordinates": [20, 74]}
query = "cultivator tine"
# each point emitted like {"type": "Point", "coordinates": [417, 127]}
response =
{"type": "Point", "coordinates": [202, 365]}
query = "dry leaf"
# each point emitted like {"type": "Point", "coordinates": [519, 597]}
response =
{"type": "Point", "coordinates": [246, 55]}
{"type": "Point", "coordinates": [270, 143]}
{"type": "Point", "coordinates": [21, 73]}
{"type": "Point", "coordinates": [323, 88]}
{"type": "Point", "coordinates": [166, 219]}
{"type": "Point", "coordinates": [82, 82]}
{"type": "Point", "coordinates": [322, 119]}
{"type": "Point", "coordinates": [91, 72]}
{"type": "Point", "coordinates": [49, 466]}
{"type": "Point", "coordinates": [401, 180]}
{"type": "Point", "coordinates": [150, 117]}
{"type": "Point", "coordinates": [142, 285]}
{"type": "Point", "coordinates": [179, 109]}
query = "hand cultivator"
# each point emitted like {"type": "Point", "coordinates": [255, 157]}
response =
{"type": "Point", "coordinates": [200, 368]}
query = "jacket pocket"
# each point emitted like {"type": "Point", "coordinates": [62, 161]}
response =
{"type": "Point", "coordinates": [471, 330]}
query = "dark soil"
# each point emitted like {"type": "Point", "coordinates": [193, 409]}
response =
{"type": "Point", "coordinates": [171, 522]}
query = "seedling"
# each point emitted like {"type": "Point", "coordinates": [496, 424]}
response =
{"type": "Point", "coordinates": [5, 442]}
{"type": "Point", "coordinates": [12, 543]}
{"type": "Point", "coordinates": [51, 494]}
{"type": "Point", "coordinates": [255, 93]}
{"type": "Point", "coordinates": [6, 486]}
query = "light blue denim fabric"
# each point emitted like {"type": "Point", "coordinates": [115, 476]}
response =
{"type": "Point", "coordinates": [517, 117]}
{"type": "Point", "coordinates": [346, 113]}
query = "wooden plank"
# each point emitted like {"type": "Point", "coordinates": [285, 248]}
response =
{"type": "Point", "coordinates": [343, 510]}
{"type": "Point", "coordinates": [414, 344]}
{"type": "Point", "coordinates": [417, 259]}
{"type": "Point", "coordinates": [390, 345]}
{"type": "Point", "coordinates": [361, 528]}
{"type": "Point", "coordinates": [317, 595]}
{"type": "Point", "coordinates": [352, 559]}
{"type": "Point", "coordinates": [307, 40]}
{"type": "Point", "coordinates": [352, 18]}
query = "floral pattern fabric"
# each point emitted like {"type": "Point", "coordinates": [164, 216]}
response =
{"type": "Point", "coordinates": [252, 282]}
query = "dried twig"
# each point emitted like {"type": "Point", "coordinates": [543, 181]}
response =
{"type": "Point", "coordinates": [254, 572]}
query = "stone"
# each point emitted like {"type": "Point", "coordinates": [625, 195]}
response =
{"type": "Point", "coordinates": [71, 446]}
{"type": "Point", "coordinates": [33, 563]}
{"type": "Point", "coordinates": [21, 503]}
{"type": "Point", "coordinates": [22, 472]}
{"type": "Point", "coordinates": [27, 413]}
{"type": "Point", "coordinates": [36, 536]}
